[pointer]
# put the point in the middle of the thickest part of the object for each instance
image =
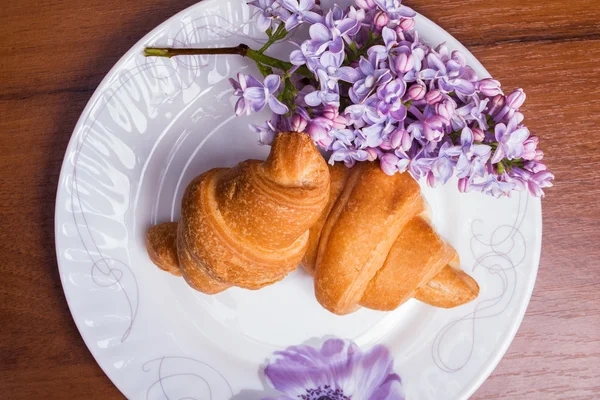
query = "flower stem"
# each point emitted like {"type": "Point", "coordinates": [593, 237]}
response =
{"type": "Point", "coordinates": [241, 50]}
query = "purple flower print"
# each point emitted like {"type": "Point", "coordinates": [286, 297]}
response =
{"type": "Point", "coordinates": [337, 371]}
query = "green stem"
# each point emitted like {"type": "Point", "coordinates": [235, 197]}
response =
{"type": "Point", "coordinates": [279, 34]}
{"type": "Point", "coordinates": [241, 49]}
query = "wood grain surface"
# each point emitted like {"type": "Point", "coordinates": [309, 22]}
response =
{"type": "Point", "coordinates": [55, 53]}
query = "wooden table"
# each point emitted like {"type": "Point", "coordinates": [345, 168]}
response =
{"type": "Point", "coordinates": [54, 54]}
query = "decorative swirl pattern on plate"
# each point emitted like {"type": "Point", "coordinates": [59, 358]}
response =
{"type": "Point", "coordinates": [501, 254]}
{"type": "Point", "coordinates": [185, 378]}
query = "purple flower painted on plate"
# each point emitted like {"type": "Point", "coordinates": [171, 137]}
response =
{"type": "Point", "coordinates": [300, 12]}
{"type": "Point", "coordinates": [337, 371]}
{"type": "Point", "coordinates": [254, 96]}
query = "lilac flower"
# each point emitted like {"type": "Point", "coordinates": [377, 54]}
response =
{"type": "Point", "coordinates": [371, 77]}
{"type": "Point", "coordinates": [338, 371]}
{"type": "Point", "coordinates": [300, 12]}
{"type": "Point", "coordinates": [401, 139]}
{"type": "Point", "coordinates": [389, 42]}
{"type": "Point", "coordinates": [451, 75]}
{"type": "Point", "coordinates": [473, 157]}
{"type": "Point", "coordinates": [489, 87]}
{"type": "Point", "coordinates": [390, 99]}
{"type": "Point", "coordinates": [406, 24]}
{"type": "Point", "coordinates": [531, 152]}
{"type": "Point", "coordinates": [330, 34]}
{"type": "Point", "coordinates": [494, 186]}
{"type": "Point", "coordinates": [442, 166]}
{"type": "Point", "coordinates": [535, 181]}
{"type": "Point", "coordinates": [266, 133]}
{"type": "Point", "coordinates": [269, 10]}
{"type": "Point", "coordinates": [416, 92]}
{"type": "Point", "coordinates": [510, 140]}
{"type": "Point", "coordinates": [512, 103]}
{"type": "Point", "coordinates": [323, 96]}
{"type": "Point", "coordinates": [348, 155]}
{"type": "Point", "coordinates": [366, 4]}
{"type": "Point", "coordinates": [374, 135]}
{"type": "Point", "coordinates": [474, 111]}
{"type": "Point", "coordinates": [254, 96]}
{"type": "Point", "coordinates": [332, 64]}
{"type": "Point", "coordinates": [395, 9]}
{"type": "Point", "coordinates": [433, 97]}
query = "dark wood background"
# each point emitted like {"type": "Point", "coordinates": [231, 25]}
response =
{"type": "Point", "coordinates": [54, 53]}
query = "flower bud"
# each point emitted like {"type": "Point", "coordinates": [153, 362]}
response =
{"type": "Point", "coordinates": [463, 185]}
{"type": "Point", "coordinates": [404, 63]}
{"type": "Point", "coordinates": [446, 109]}
{"type": "Point", "coordinates": [389, 163]}
{"type": "Point", "coordinates": [490, 87]}
{"type": "Point", "coordinates": [478, 135]}
{"type": "Point", "coordinates": [298, 123]}
{"type": "Point", "coordinates": [385, 145]}
{"type": "Point", "coordinates": [380, 20]}
{"type": "Point", "coordinates": [406, 24]}
{"type": "Point", "coordinates": [401, 139]}
{"type": "Point", "coordinates": [433, 97]}
{"type": "Point", "coordinates": [366, 4]}
{"type": "Point", "coordinates": [416, 92]}
{"type": "Point", "coordinates": [516, 99]}
{"type": "Point", "coordinates": [371, 154]}
{"type": "Point", "coordinates": [496, 104]}
{"type": "Point", "coordinates": [529, 148]}
{"type": "Point", "coordinates": [539, 155]}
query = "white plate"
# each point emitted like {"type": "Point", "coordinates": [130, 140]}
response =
{"type": "Point", "coordinates": [154, 124]}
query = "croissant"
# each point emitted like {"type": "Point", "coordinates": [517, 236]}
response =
{"type": "Point", "coordinates": [373, 246]}
{"type": "Point", "coordinates": [246, 226]}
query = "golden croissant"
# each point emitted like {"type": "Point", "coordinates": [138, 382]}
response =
{"type": "Point", "coordinates": [246, 226]}
{"type": "Point", "coordinates": [373, 246]}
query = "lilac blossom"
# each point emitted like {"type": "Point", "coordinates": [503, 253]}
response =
{"type": "Point", "coordinates": [451, 74]}
{"type": "Point", "coordinates": [395, 9]}
{"type": "Point", "coordinates": [269, 10]}
{"type": "Point", "coordinates": [371, 76]}
{"type": "Point", "coordinates": [390, 99]}
{"type": "Point", "coordinates": [323, 96]}
{"type": "Point", "coordinates": [510, 139]}
{"type": "Point", "coordinates": [300, 12]}
{"type": "Point", "coordinates": [473, 157]}
{"type": "Point", "coordinates": [254, 96]}
{"type": "Point", "coordinates": [332, 64]}
{"type": "Point", "coordinates": [397, 102]}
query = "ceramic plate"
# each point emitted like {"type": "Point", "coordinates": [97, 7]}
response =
{"type": "Point", "coordinates": [154, 124]}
